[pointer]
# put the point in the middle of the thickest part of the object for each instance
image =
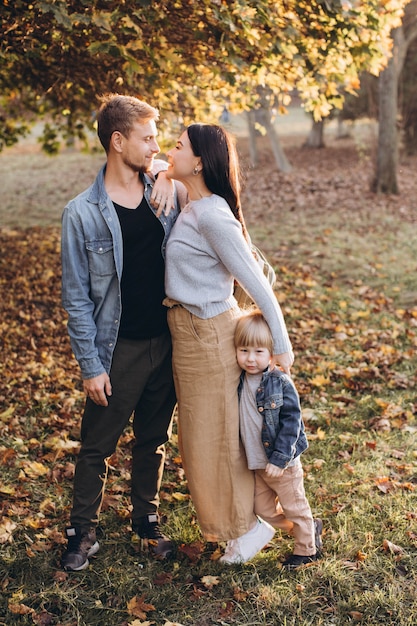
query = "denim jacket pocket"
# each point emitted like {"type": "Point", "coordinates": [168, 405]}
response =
{"type": "Point", "coordinates": [100, 257]}
{"type": "Point", "coordinates": [271, 411]}
{"type": "Point", "coordinates": [274, 401]}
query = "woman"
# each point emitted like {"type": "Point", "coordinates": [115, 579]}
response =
{"type": "Point", "coordinates": [208, 248]}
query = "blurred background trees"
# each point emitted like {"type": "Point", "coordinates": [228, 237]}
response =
{"type": "Point", "coordinates": [189, 59]}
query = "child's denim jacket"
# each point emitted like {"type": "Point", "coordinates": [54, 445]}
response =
{"type": "Point", "coordinates": [283, 434]}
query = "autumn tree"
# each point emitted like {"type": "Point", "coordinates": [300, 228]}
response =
{"type": "Point", "coordinates": [185, 57]}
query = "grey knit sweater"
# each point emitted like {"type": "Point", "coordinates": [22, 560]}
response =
{"type": "Point", "coordinates": [206, 250]}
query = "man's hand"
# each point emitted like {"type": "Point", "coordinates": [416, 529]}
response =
{"type": "Point", "coordinates": [162, 196]}
{"type": "Point", "coordinates": [98, 389]}
{"type": "Point", "coordinates": [273, 471]}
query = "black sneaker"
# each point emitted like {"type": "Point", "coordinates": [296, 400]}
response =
{"type": "Point", "coordinates": [295, 561]}
{"type": "Point", "coordinates": [148, 530]}
{"type": "Point", "coordinates": [81, 544]}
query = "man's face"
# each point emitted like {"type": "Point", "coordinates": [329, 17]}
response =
{"type": "Point", "coordinates": [140, 148]}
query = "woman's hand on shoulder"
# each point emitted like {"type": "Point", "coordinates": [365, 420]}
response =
{"type": "Point", "coordinates": [162, 196]}
{"type": "Point", "coordinates": [284, 361]}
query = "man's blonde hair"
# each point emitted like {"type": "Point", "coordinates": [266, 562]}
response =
{"type": "Point", "coordinates": [120, 113]}
{"type": "Point", "coordinates": [253, 330]}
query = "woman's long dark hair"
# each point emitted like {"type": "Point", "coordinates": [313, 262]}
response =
{"type": "Point", "coordinates": [221, 171]}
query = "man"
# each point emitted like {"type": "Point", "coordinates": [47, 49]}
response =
{"type": "Point", "coordinates": [113, 243]}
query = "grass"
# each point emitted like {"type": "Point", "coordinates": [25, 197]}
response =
{"type": "Point", "coordinates": [346, 265]}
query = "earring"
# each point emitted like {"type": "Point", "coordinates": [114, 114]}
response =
{"type": "Point", "coordinates": [196, 171]}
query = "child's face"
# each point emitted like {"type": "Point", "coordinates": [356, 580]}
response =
{"type": "Point", "coordinates": [253, 359]}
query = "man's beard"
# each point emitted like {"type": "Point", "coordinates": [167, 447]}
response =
{"type": "Point", "coordinates": [139, 168]}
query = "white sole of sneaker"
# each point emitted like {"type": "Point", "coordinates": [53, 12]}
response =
{"type": "Point", "coordinates": [93, 550]}
{"type": "Point", "coordinates": [257, 538]}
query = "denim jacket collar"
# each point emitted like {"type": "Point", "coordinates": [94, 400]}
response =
{"type": "Point", "coordinates": [98, 191]}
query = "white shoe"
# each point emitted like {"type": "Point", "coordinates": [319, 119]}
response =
{"type": "Point", "coordinates": [246, 546]}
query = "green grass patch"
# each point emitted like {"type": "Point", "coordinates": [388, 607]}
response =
{"type": "Point", "coordinates": [345, 264]}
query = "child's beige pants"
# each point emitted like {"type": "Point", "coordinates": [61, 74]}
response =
{"type": "Point", "coordinates": [282, 502]}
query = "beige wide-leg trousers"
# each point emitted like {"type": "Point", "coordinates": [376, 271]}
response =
{"type": "Point", "coordinates": [206, 378]}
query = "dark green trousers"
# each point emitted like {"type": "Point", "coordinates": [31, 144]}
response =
{"type": "Point", "coordinates": [142, 386]}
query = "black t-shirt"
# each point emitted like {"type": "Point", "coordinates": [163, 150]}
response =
{"type": "Point", "coordinates": [143, 314]}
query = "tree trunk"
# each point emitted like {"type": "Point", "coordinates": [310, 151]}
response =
{"type": "Point", "coordinates": [342, 130]}
{"type": "Point", "coordinates": [315, 137]}
{"type": "Point", "coordinates": [253, 150]}
{"type": "Point", "coordinates": [264, 115]}
{"type": "Point", "coordinates": [387, 157]}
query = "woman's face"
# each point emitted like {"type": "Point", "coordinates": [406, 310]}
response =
{"type": "Point", "coordinates": [182, 160]}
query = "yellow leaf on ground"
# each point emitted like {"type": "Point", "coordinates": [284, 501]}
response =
{"type": "Point", "coordinates": [7, 490]}
{"type": "Point", "coordinates": [33, 469]}
{"type": "Point", "coordinates": [5, 415]}
{"type": "Point", "coordinates": [180, 497]}
{"type": "Point", "coordinates": [319, 434]}
{"type": "Point", "coordinates": [58, 443]}
{"type": "Point", "coordinates": [320, 381]}
{"type": "Point", "coordinates": [138, 607]}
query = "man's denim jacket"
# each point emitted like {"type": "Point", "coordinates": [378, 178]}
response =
{"type": "Point", "coordinates": [92, 259]}
{"type": "Point", "coordinates": [283, 435]}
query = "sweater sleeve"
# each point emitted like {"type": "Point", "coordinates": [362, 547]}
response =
{"type": "Point", "coordinates": [224, 234]}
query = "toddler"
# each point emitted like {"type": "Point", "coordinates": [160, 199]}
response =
{"type": "Point", "coordinates": [272, 432]}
